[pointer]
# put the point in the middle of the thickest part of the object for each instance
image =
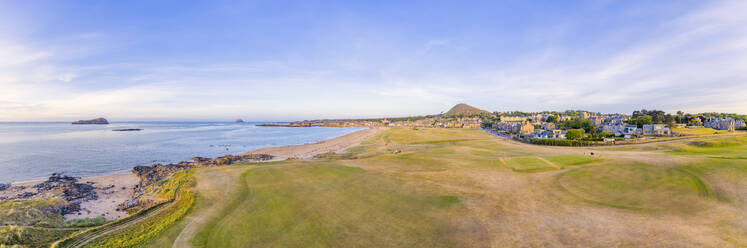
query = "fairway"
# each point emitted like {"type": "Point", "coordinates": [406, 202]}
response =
{"type": "Point", "coordinates": [698, 131]}
{"type": "Point", "coordinates": [466, 188]}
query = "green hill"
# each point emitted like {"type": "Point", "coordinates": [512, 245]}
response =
{"type": "Point", "coordinates": [464, 109]}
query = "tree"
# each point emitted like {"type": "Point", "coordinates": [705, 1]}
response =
{"type": "Point", "coordinates": [574, 134]}
{"type": "Point", "coordinates": [552, 119]}
{"type": "Point", "coordinates": [669, 120]}
{"type": "Point", "coordinates": [606, 134]}
{"type": "Point", "coordinates": [657, 116]}
{"type": "Point", "coordinates": [643, 120]}
{"type": "Point", "coordinates": [586, 124]}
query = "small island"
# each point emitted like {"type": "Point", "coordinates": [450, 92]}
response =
{"type": "Point", "coordinates": [127, 130]}
{"type": "Point", "coordinates": [94, 121]}
{"type": "Point", "coordinates": [238, 121]}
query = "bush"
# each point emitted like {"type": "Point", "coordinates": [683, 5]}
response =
{"type": "Point", "coordinates": [40, 212]}
{"type": "Point", "coordinates": [574, 134]}
{"type": "Point", "coordinates": [86, 222]}
{"type": "Point", "coordinates": [561, 142]}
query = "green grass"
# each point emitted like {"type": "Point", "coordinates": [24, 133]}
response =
{"type": "Point", "coordinates": [323, 205]}
{"type": "Point", "coordinates": [698, 131]}
{"type": "Point", "coordinates": [572, 159]}
{"type": "Point", "coordinates": [86, 222]}
{"type": "Point", "coordinates": [464, 188]}
{"type": "Point", "coordinates": [637, 186]}
{"type": "Point", "coordinates": [32, 212]}
{"type": "Point", "coordinates": [530, 164]}
{"type": "Point", "coordinates": [16, 236]}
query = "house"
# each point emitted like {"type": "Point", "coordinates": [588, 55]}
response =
{"type": "Point", "coordinates": [656, 129]}
{"type": "Point", "coordinates": [558, 134]}
{"type": "Point", "coordinates": [549, 134]}
{"type": "Point", "coordinates": [541, 134]}
{"type": "Point", "coordinates": [617, 129]}
{"type": "Point", "coordinates": [629, 131]}
{"type": "Point", "coordinates": [526, 128]}
{"type": "Point", "coordinates": [548, 126]}
{"type": "Point", "coordinates": [721, 124]}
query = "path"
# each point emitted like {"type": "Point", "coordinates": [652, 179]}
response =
{"type": "Point", "coordinates": [82, 240]}
{"type": "Point", "coordinates": [214, 186]}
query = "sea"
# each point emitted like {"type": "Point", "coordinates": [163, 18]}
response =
{"type": "Point", "coordinates": [32, 151]}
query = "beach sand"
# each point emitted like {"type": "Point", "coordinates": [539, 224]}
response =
{"type": "Point", "coordinates": [308, 151]}
{"type": "Point", "coordinates": [111, 197]}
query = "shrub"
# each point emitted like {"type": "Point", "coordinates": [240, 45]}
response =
{"type": "Point", "coordinates": [561, 142]}
{"type": "Point", "coordinates": [86, 222]}
{"type": "Point", "coordinates": [574, 134]}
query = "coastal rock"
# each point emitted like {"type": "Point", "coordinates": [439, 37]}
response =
{"type": "Point", "coordinates": [25, 195]}
{"type": "Point", "coordinates": [129, 204]}
{"type": "Point", "coordinates": [150, 175]}
{"type": "Point", "coordinates": [128, 130]}
{"type": "Point", "coordinates": [4, 186]}
{"type": "Point", "coordinates": [94, 121]}
{"type": "Point", "coordinates": [71, 189]}
{"type": "Point", "coordinates": [80, 191]}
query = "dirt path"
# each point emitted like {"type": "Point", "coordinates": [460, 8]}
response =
{"type": "Point", "coordinates": [86, 238]}
{"type": "Point", "coordinates": [213, 186]}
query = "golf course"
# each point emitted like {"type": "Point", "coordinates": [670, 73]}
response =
{"type": "Point", "coordinates": [467, 188]}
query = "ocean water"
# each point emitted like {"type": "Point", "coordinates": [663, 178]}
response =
{"type": "Point", "coordinates": [32, 151]}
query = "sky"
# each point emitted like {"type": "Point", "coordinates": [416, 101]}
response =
{"type": "Point", "coordinates": [288, 60]}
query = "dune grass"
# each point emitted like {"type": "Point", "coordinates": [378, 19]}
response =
{"type": "Point", "coordinates": [31, 212]}
{"type": "Point", "coordinates": [18, 236]}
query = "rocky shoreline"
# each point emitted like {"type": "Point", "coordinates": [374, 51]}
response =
{"type": "Point", "coordinates": [113, 196]}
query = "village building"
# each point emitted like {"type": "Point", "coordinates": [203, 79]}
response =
{"type": "Point", "coordinates": [721, 124]}
{"type": "Point", "coordinates": [630, 130]}
{"type": "Point", "coordinates": [656, 129]}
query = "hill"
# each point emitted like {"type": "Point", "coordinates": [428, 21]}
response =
{"type": "Point", "coordinates": [464, 109]}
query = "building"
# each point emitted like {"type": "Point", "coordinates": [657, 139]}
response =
{"type": "Point", "coordinates": [721, 124]}
{"type": "Point", "coordinates": [549, 134]}
{"type": "Point", "coordinates": [656, 129]}
{"type": "Point", "coordinates": [526, 128]}
{"type": "Point", "coordinates": [630, 130]}
{"type": "Point", "coordinates": [617, 129]}
{"type": "Point", "coordinates": [548, 126]}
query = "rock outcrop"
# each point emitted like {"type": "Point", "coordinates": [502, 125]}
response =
{"type": "Point", "coordinates": [151, 175]}
{"type": "Point", "coordinates": [94, 121]}
{"type": "Point", "coordinates": [71, 189]}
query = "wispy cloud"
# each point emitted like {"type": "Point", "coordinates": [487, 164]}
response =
{"type": "Point", "coordinates": [693, 62]}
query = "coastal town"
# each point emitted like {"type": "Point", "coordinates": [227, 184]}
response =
{"type": "Point", "coordinates": [571, 125]}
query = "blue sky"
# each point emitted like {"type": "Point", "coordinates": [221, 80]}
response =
{"type": "Point", "coordinates": [272, 60]}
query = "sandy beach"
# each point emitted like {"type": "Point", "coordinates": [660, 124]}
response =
{"type": "Point", "coordinates": [308, 151]}
{"type": "Point", "coordinates": [116, 188]}
{"type": "Point", "coordinates": [112, 190]}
